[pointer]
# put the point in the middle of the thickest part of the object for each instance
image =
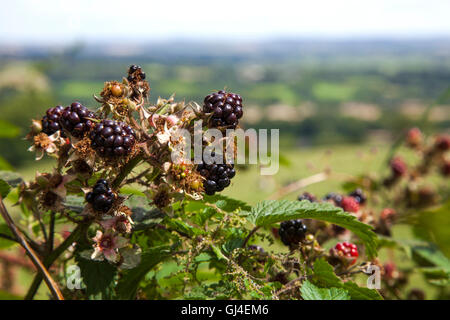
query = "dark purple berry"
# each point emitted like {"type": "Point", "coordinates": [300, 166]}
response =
{"type": "Point", "coordinates": [217, 176]}
{"type": "Point", "coordinates": [226, 109]}
{"type": "Point", "coordinates": [101, 197]}
{"type": "Point", "coordinates": [75, 119]}
{"type": "Point", "coordinates": [292, 232]}
{"type": "Point", "coordinates": [112, 138]}
{"type": "Point", "coordinates": [50, 122]}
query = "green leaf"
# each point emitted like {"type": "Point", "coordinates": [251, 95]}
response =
{"type": "Point", "coordinates": [324, 276]}
{"type": "Point", "coordinates": [8, 130]}
{"type": "Point", "coordinates": [432, 254]}
{"type": "Point", "coordinates": [5, 188]}
{"type": "Point", "coordinates": [268, 212]}
{"type": "Point", "coordinates": [311, 292]}
{"type": "Point", "coordinates": [98, 277]}
{"type": "Point", "coordinates": [183, 227]}
{"type": "Point", "coordinates": [74, 203]}
{"type": "Point", "coordinates": [129, 282]}
{"type": "Point", "coordinates": [12, 178]}
{"type": "Point", "coordinates": [226, 203]}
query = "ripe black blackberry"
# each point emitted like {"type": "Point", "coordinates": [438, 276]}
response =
{"type": "Point", "coordinates": [307, 196]}
{"type": "Point", "coordinates": [112, 138]}
{"type": "Point", "coordinates": [226, 109]}
{"type": "Point", "coordinates": [292, 232]}
{"type": "Point", "coordinates": [135, 73]}
{"type": "Point", "coordinates": [217, 176]}
{"type": "Point", "coordinates": [50, 122]}
{"type": "Point", "coordinates": [76, 119]}
{"type": "Point", "coordinates": [359, 196]}
{"type": "Point", "coordinates": [102, 197]}
{"type": "Point", "coordinates": [336, 198]}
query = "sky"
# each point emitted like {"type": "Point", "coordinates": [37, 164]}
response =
{"type": "Point", "coordinates": [58, 22]}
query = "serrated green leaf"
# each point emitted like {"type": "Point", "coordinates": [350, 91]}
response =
{"type": "Point", "coordinates": [5, 188]}
{"type": "Point", "coordinates": [324, 276]}
{"type": "Point", "coordinates": [98, 277]}
{"type": "Point", "coordinates": [226, 203]}
{"type": "Point", "coordinates": [129, 282]}
{"type": "Point", "coordinates": [268, 212]}
{"type": "Point", "coordinates": [310, 292]}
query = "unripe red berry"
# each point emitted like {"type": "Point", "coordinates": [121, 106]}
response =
{"type": "Point", "coordinates": [349, 204]}
{"type": "Point", "coordinates": [443, 142]}
{"type": "Point", "coordinates": [414, 137]}
{"type": "Point", "coordinates": [445, 169]}
{"type": "Point", "coordinates": [346, 250]}
{"type": "Point", "coordinates": [398, 167]}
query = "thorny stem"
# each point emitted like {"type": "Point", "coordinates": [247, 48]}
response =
{"type": "Point", "coordinates": [249, 236]}
{"type": "Point", "coordinates": [51, 236]}
{"type": "Point", "coordinates": [43, 272]}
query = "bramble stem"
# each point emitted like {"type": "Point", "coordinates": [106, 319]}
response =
{"type": "Point", "coordinates": [43, 272]}
{"type": "Point", "coordinates": [48, 261]}
{"type": "Point", "coordinates": [126, 170]}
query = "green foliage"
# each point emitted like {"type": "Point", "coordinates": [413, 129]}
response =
{"type": "Point", "coordinates": [98, 277]}
{"type": "Point", "coordinates": [5, 188]}
{"type": "Point", "coordinates": [310, 292]}
{"type": "Point", "coordinates": [129, 282]}
{"type": "Point", "coordinates": [12, 178]}
{"type": "Point", "coordinates": [268, 212]}
{"type": "Point", "coordinates": [324, 276]}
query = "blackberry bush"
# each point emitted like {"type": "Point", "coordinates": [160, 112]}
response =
{"type": "Point", "coordinates": [218, 176]}
{"type": "Point", "coordinates": [76, 119]}
{"type": "Point", "coordinates": [165, 215]}
{"type": "Point", "coordinates": [112, 138]}
{"type": "Point", "coordinates": [225, 108]}
{"type": "Point", "coordinates": [101, 197]}
{"type": "Point", "coordinates": [292, 232]}
{"type": "Point", "coordinates": [51, 120]}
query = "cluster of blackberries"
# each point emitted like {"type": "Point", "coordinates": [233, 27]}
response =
{"type": "Point", "coordinates": [135, 73]}
{"type": "Point", "coordinates": [217, 176]}
{"type": "Point", "coordinates": [102, 197]}
{"type": "Point", "coordinates": [112, 138]}
{"type": "Point", "coordinates": [76, 119]}
{"type": "Point", "coordinates": [307, 196]}
{"type": "Point", "coordinates": [292, 232]}
{"type": "Point", "coordinates": [226, 108]}
{"type": "Point", "coordinates": [50, 122]}
{"type": "Point", "coordinates": [359, 196]}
